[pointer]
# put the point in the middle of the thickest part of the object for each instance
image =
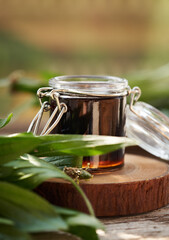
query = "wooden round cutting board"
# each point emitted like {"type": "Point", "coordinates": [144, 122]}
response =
{"type": "Point", "coordinates": [142, 185]}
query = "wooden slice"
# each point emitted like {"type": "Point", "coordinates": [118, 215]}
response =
{"type": "Point", "coordinates": [140, 186]}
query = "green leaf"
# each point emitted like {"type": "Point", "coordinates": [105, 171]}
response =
{"type": "Point", "coordinates": [29, 172]}
{"type": "Point", "coordinates": [5, 172]}
{"type": "Point", "coordinates": [73, 217]}
{"type": "Point", "coordinates": [79, 145]}
{"type": "Point", "coordinates": [12, 146]}
{"type": "Point", "coordinates": [27, 85]}
{"type": "Point", "coordinates": [29, 211]}
{"type": "Point", "coordinates": [66, 160]}
{"type": "Point", "coordinates": [84, 232]}
{"type": "Point", "coordinates": [5, 121]}
{"type": "Point", "coordinates": [6, 221]}
{"type": "Point", "coordinates": [80, 224]}
{"type": "Point", "coordinates": [11, 233]}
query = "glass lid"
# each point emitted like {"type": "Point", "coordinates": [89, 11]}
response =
{"type": "Point", "coordinates": [149, 127]}
{"type": "Point", "coordinates": [90, 85]}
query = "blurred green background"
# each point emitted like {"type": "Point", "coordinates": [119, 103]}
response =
{"type": "Point", "coordinates": [47, 38]}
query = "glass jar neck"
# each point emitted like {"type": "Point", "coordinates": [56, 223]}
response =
{"type": "Point", "coordinates": [90, 85]}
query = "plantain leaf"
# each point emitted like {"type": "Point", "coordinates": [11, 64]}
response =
{"type": "Point", "coordinates": [5, 121]}
{"type": "Point", "coordinates": [66, 160]}
{"type": "Point", "coordinates": [29, 172]}
{"type": "Point", "coordinates": [8, 232]}
{"type": "Point", "coordinates": [79, 145]}
{"type": "Point", "coordinates": [84, 232]}
{"type": "Point", "coordinates": [12, 146]}
{"type": "Point", "coordinates": [27, 85]}
{"type": "Point", "coordinates": [29, 211]}
{"type": "Point", "coordinates": [73, 217]}
{"type": "Point", "coordinates": [80, 224]}
{"type": "Point", "coordinates": [6, 221]}
{"type": "Point", "coordinates": [35, 214]}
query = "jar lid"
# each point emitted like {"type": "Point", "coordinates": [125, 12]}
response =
{"type": "Point", "coordinates": [90, 85]}
{"type": "Point", "coordinates": [149, 127]}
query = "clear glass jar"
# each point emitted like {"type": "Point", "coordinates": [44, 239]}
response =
{"type": "Point", "coordinates": [95, 105]}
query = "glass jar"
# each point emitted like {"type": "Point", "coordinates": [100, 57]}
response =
{"type": "Point", "coordinates": [95, 105]}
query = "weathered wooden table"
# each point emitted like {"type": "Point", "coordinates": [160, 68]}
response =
{"type": "Point", "coordinates": [153, 225]}
{"type": "Point", "coordinates": [149, 226]}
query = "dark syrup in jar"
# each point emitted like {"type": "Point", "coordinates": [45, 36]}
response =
{"type": "Point", "coordinates": [96, 116]}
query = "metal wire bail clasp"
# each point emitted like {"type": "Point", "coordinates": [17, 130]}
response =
{"type": "Point", "coordinates": [135, 94]}
{"type": "Point", "coordinates": [58, 112]}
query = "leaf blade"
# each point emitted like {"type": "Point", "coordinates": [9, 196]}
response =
{"type": "Point", "coordinates": [31, 215]}
{"type": "Point", "coordinates": [11, 233]}
{"type": "Point", "coordinates": [38, 171]}
{"type": "Point", "coordinates": [39, 216]}
{"type": "Point", "coordinates": [79, 145]}
{"type": "Point", "coordinates": [5, 121]}
{"type": "Point", "coordinates": [80, 224]}
{"type": "Point", "coordinates": [12, 146]}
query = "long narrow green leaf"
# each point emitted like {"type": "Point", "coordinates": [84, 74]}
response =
{"type": "Point", "coordinates": [11, 233]}
{"type": "Point", "coordinates": [79, 224]}
{"type": "Point", "coordinates": [79, 145]}
{"type": "Point", "coordinates": [65, 160]}
{"type": "Point", "coordinates": [74, 217]}
{"type": "Point", "coordinates": [28, 85]}
{"type": "Point", "coordinates": [6, 221]}
{"type": "Point", "coordinates": [30, 171]}
{"type": "Point", "coordinates": [12, 146]}
{"type": "Point", "coordinates": [29, 211]}
{"type": "Point", "coordinates": [5, 121]}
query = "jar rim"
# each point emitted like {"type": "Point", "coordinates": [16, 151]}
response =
{"type": "Point", "coordinates": [90, 85]}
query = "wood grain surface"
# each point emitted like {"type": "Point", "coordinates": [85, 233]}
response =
{"type": "Point", "coordinates": [140, 186]}
{"type": "Point", "coordinates": [147, 226]}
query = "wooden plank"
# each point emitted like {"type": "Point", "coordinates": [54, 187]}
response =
{"type": "Point", "coordinates": [153, 225]}
{"type": "Point", "coordinates": [149, 226]}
